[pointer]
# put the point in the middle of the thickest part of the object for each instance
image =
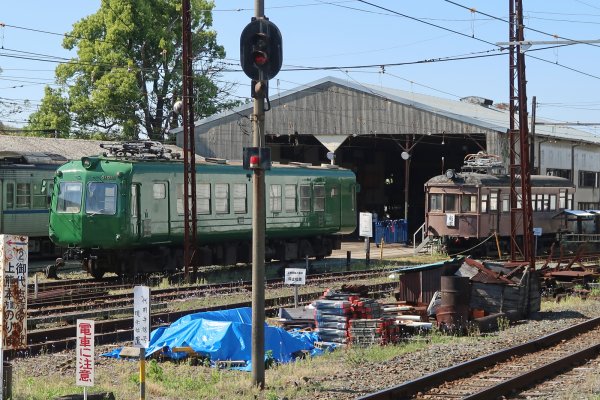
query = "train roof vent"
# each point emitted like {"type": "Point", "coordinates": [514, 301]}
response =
{"type": "Point", "coordinates": [477, 100]}
{"type": "Point", "coordinates": [139, 150]}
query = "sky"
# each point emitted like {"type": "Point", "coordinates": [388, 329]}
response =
{"type": "Point", "coordinates": [444, 48]}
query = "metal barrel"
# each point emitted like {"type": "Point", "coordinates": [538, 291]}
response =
{"type": "Point", "coordinates": [453, 312]}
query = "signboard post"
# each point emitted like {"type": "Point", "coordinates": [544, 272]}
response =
{"type": "Point", "coordinates": [14, 261]}
{"type": "Point", "coordinates": [295, 276]}
{"type": "Point", "coordinates": [141, 329]}
{"type": "Point", "coordinates": [85, 354]}
{"type": "Point", "coordinates": [536, 232]}
{"type": "Point", "coordinates": [365, 229]}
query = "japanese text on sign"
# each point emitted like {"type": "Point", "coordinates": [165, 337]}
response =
{"type": "Point", "coordinates": [141, 316]}
{"type": "Point", "coordinates": [295, 276]}
{"type": "Point", "coordinates": [85, 352]}
{"type": "Point", "coordinates": [14, 259]}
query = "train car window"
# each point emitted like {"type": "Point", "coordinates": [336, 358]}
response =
{"type": "Point", "coordinates": [159, 191]}
{"type": "Point", "coordinates": [101, 198]}
{"type": "Point", "coordinates": [505, 203]}
{"type": "Point", "coordinates": [552, 202]}
{"type": "Point", "coordinates": [275, 198]}
{"type": "Point", "coordinates": [562, 199]}
{"type": "Point", "coordinates": [484, 203]}
{"type": "Point", "coordinates": [39, 197]}
{"type": "Point", "coordinates": [290, 198]}
{"type": "Point", "coordinates": [180, 198]}
{"type": "Point", "coordinates": [451, 202]}
{"type": "Point", "coordinates": [468, 203]}
{"type": "Point", "coordinates": [319, 198]}
{"type": "Point", "coordinates": [239, 198]}
{"type": "Point", "coordinates": [493, 201]}
{"type": "Point", "coordinates": [435, 202]}
{"type": "Point", "coordinates": [222, 198]}
{"type": "Point", "coordinates": [69, 197]}
{"type": "Point", "coordinates": [10, 195]}
{"type": "Point", "coordinates": [23, 195]}
{"type": "Point", "coordinates": [540, 202]}
{"type": "Point", "coordinates": [203, 198]}
{"type": "Point", "coordinates": [304, 198]}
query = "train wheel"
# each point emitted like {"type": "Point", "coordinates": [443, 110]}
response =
{"type": "Point", "coordinates": [95, 270]}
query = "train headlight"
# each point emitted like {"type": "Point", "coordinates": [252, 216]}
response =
{"type": "Point", "coordinates": [117, 237]}
{"type": "Point", "coordinates": [88, 162]}
{"type": "Point", "coordinates": [451, 174]}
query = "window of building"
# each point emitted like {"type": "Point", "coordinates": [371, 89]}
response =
{"type": "Point", "coordinates": [588, 179]}
{"type": "Point", "coordinates": [275, 198]}
{"type": "Point", "coordinates": [563, 173]}
{"type": "Point", "coordinates": [304, 198]}
{"type": "Point", "coordinates": [589, 206]}
{"type": "Point", "coordinates": [203, 198]}
{"type": "Point", "coordinates": [468, 203]}
{"type": "Point", "coordinates": [240, 205]}
{"type": "Point", "coordinates": [319, 198]}
{"type": "Point", "coordinates": [435, 202]}
{"type": "Point", "coordinates": [23, 195]}
{"type": "Point", "coordinates": [222, 198]}
{"type": "Point", "coordinates": [290, 198]}
{"type": "Point", "coordinates": [159, 191]}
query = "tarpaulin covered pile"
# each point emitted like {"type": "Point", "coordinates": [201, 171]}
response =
{"type": "Point", "coordinates": [224, 335]}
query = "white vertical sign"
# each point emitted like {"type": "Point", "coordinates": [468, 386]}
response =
{"type": "Point", "coordinates": [141, 316]}
{"type": "Point", "coordinates": [13, 304]}
{"type": "Point", "coordinates": [365, 224]}
{"type": "Point", "coordinates": [85, 352]}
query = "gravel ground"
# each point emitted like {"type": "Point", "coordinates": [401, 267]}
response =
{"type": "Point", "coordinates": [350, 381]}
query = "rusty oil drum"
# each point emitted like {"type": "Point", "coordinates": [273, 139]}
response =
{"type": "Point", "coordinates": [453, 312]}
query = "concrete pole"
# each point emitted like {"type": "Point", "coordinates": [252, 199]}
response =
{"type": "Point", "coordinates": [258, 233]}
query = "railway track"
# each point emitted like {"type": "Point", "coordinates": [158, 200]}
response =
{"type": "Point", "coordinates": [120, 329]}
{"type": "Point", "coordinates": [507, 371]}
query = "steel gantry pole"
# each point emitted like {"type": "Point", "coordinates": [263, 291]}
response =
{"type": "Point", "coordinates": [189, 147]}
{"type": "Point", "coordinates": [521, 215]}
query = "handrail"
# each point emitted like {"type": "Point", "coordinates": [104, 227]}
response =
{"type": "Point", "coordinates": [422, 229]}
{"type": "Point", "coordinates": [581, 237]}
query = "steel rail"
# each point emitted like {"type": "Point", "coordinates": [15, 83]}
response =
{"type": "Point", "coordinates": [61, 338]}
{"type": "Point", "coordinates": [411, 388]}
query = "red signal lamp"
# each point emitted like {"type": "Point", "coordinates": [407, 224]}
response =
{"type": "Point", "coordinates": [260, 58]}
{"type": "Point", "coordinates": [254, 161]}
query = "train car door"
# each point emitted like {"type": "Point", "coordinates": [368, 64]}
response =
{"type": "Point", "coordinates": [135, 211]}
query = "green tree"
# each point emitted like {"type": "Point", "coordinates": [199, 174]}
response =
{"type": "Point", "coordinates": [52, 117]}
{"type": "Point", "coordinates": [128, 71]}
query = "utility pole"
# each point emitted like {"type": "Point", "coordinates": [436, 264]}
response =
{"type": "Point", "coordinates": [189, 146]}
{"type": "Point", "coordinates": [532, 144]}
{"type": "Point", "coordinates": [261, 58]}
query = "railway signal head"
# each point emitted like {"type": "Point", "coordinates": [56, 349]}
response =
{"type": "Point", "coordinates": [261, 52]}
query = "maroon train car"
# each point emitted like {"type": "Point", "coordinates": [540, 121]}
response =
{"type": "Point", "coordinates": [466, 208]}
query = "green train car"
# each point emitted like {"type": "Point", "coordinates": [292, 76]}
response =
{"type": "Point", "coordinates": [125, 213]}
{"type": "Point", "coordinates": [25, 184]}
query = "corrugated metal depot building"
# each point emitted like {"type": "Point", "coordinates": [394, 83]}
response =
{"type": "Point", "coordinates": [369, 127]}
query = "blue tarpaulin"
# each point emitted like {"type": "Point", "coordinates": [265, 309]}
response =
{"type": "Point", "coordinates": [224, 335]}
